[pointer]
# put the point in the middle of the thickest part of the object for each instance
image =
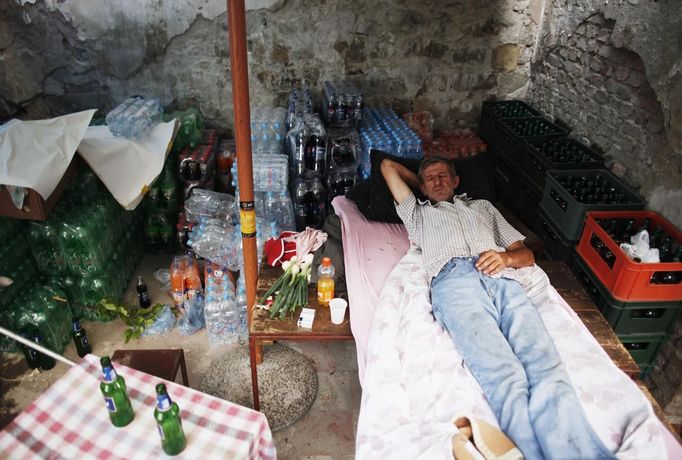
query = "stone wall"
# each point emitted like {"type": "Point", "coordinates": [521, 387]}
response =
{"type": "Point", "coordinates": [445, 57]}
{"type": "Point", "coordinates": [611, 71]}
{"type": "Point", "coordinates": [607, 72]}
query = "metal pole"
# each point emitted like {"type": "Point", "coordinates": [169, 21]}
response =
{"type": "Point", "coordinates": [37, 347]}
{"type": "Point", "coordinates": [236, 14]}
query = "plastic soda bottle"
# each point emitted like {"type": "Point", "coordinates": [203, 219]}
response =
{"type": "Point", "coordinates": [325, 282]}
{"type": "Point", "coordinates": [113, 388]}
{"type": "Point", "coordinates": [143, 293]}
{"type": "Point", "coordinates": [80, 338]}
{"type": "Point", "coordinates": [167, 415]}
{"type": "Point", "coordinates": [178, 281]}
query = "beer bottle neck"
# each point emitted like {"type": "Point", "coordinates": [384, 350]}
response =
{"type": "Point", "coordinates": [163, 402]}
{"type": "Point", "coordinates": [109, 374]}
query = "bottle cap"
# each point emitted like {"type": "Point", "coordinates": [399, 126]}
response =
{"type": "Point", "coordinates": [326, 261]}
{"type": "Point", "coordinates": [161, 389]}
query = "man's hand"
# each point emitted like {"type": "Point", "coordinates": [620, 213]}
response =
{"type": "Point", "coordinates": [492, 262]}
{"type": "Point", "coordinates": [516, 256]}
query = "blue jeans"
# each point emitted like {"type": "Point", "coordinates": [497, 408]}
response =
{"type": "Point", "coordinates": [505, 345]}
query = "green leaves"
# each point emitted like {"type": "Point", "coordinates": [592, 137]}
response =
{"type": "Point", "coordinates": [137, 319]}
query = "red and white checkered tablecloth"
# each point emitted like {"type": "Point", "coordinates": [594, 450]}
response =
{"type": "Point", "coordinates": [70, 420]}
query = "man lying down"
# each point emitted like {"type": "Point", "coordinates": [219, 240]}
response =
{"type": "Point", "coordinates": [471, 255]}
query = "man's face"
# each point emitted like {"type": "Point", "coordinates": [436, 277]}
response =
{"type": "Point", "coordinates": [438, 182]}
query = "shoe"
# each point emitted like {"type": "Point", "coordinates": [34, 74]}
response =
{"type": "Point", "coordinates": [489, 441]}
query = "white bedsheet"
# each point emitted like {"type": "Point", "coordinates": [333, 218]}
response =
{"type": "Point", "coordinates": [415, 382]}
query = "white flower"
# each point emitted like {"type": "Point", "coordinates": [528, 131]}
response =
{"type": "Point", "coordinates": [285, 265]}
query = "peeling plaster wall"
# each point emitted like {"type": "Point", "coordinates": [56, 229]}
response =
{"type": "Point", "coordinates": [613, 71]}
{"type": "Point", "coordinates": [444, 56]}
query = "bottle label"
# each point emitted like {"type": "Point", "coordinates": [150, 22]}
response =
{"type": "Point", "coordinates": [84, 341]}
{"type": "Point", "coordinates": [144, 297]}
{"type": "Point", "coordinates": [111, 405]}
{"type": "Point", "coordinates": [163, 403]}
{"type": "Point", "coordinates": [325, 295]}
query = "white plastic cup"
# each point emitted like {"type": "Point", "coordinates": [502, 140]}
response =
{"type": "Point", "coordinates": [338, 309]}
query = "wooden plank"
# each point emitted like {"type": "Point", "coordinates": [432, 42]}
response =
{"type": "Point", "coordinates": [568, 286]}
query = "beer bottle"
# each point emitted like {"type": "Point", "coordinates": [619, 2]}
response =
{"type": "Point", "coordinates": [673, 277]}
{"type": "Point", "coordinates": [44, 362]}
{"type": "Point", "coordinates": [80, 338]}
{"type": "Point", "coordinates": [143, 293]}
{"type": "Point", "coordinates": [113, 388]}
{"type": "Point", "coordinates": [29, 353]}
{"type": "Point", "coordinates": [167, 415]}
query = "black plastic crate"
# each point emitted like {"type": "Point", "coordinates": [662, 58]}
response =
{"type": "Point", "coordinates": [566, 201]}
{"type": "Point", "coordinates": [542, 155]}
{"type": "Point", "coordinates": [626, 317]}
{"type": "Point", "coordinates": [492, 111]}
{"type": "Point", "coordinates": [514, 132]}
{"type": "Point", "coordinates": [643, 347]}
{"type": "Point", "coordinates": [527, 197]}
{"type": "Point", "coordinates": [556, 246]}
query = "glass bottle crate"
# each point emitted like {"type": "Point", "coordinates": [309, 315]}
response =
{"type": "Point", "coordinates": [566, 201]}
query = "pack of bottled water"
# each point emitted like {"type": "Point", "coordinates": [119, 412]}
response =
{"type": "Point", "coordinates": [221, 312]}
{"type": "Point", "coordinates": [300, 103]}
{"type": "Point", "coordinates": [135, 118]}
{"type": "Point", "coordinates": [270, 173]}
{"type": "Point", "coordinates": [341, 103]}
{"type": "Point", "coordinates": [218, 241]}
{"type": "Point", "coordinates": [382, 129]}
{"type": "Point", "coordinates": [268, 130]}
{"type": "Point", "coordinates": [209, 204]}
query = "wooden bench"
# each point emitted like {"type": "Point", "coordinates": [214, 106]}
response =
{"type": "Point", "coordinates": [568, 286]}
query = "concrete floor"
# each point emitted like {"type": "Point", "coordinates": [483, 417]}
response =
{"type": "Point", "coordinates": [327, 431]}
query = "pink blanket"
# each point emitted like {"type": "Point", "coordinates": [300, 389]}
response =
{"type": "Point", "coordinates": [370, 251]}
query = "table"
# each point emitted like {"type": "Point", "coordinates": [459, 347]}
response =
{"type": "Point", "coordinates": [70, 420]}
{"type": "Point", "coordinates": [264, 329]}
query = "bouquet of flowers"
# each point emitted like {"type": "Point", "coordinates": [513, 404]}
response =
{"type": "Point", "coordinates": [290, 291]}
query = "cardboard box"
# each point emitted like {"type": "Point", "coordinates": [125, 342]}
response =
{"type": "Point", "coordinates": [35, 207]}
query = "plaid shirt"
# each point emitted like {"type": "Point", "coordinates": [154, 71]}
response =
{"type": "Point", "coordinates": [461, 228]}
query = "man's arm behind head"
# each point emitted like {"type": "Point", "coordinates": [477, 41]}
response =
{"type": "Point", "coordinates": [399, 179]}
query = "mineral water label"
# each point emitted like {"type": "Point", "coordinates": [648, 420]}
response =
{"type": "Point", "coordinates": [111, 405]}
{"type": "Point", "coordinates": [160, 428]}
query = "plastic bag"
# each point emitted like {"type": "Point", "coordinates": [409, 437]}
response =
{"type": "Point", "coordinates": [639, 249]}
{"type": "Point", "coordinates": [162, 275]}
{"type": "Point", "coordinates": [162, 324]}
{"type": "Point", "coordinates": [193, 319]}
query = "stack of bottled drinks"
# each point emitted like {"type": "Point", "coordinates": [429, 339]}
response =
{"type": "Point", "coordinates": [135, 118]}
{"type": "Point", "coordinates": [307, 146]}
{"type": "Point", "coordinates": [162, 207]}
{"type": "Point", "coordinates": [382, 129]}
{"type": "Point", "coordinates": [196, 167]}
{"type": "Point", "coordinates": [300, 103]}
{"type": "Point", "coordinates": [341, 104]}
{"type": "Point", "coordinates": [222, 314]}
{"type": "Point", "coordinates": [190, 128]}
{"type": "Point", "coordinates": [89, 242]}
{"type": "Point", "coordinates": [267, 131]}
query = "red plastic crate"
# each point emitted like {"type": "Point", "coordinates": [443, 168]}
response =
{"type": "Point", "coordinates": [628, 280]}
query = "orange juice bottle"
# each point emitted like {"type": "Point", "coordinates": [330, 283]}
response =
{"type": "Point", "coordinates": [325, 282]}
{"type": "Point", "coordinates": [178, 281]}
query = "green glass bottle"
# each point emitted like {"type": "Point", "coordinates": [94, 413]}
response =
{"type": "Point", "coordinates": [113, 389]}
{"type": "Point", "coordinates": [167, 415]}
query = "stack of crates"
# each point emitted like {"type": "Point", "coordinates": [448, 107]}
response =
{"type": "Point", "coordinates": [508, 127]}
{"type": "Point", "coordinates": [568, 195]}
{"type": "Point", "coordinates": [640, 301]}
